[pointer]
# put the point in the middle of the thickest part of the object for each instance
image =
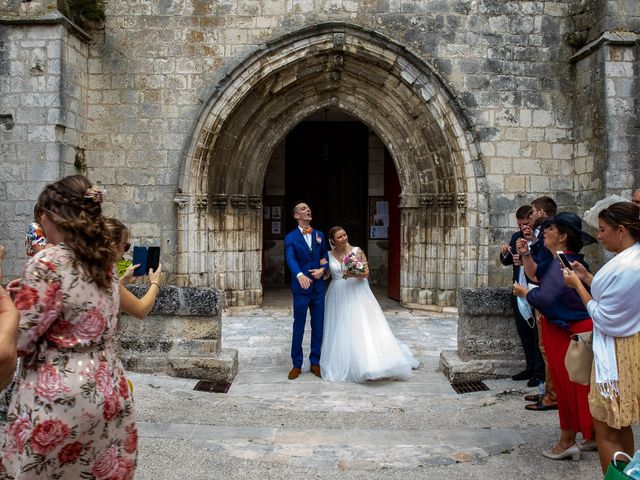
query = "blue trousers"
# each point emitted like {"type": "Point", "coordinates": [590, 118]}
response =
{"type": "Point", "coordinates": [315, 304]}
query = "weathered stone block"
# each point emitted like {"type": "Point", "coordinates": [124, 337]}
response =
{"type": "Point", "coordinates": [488, 342]}
{"type": "Point", "coordinates": [182, 336]}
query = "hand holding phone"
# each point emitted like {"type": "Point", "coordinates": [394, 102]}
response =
{"type": "Point", "coordinates": [140, 258]}
{"type": "Point", "coordinates": [146, 258]}
{"type": "Point", "coordinates": [564, 260]}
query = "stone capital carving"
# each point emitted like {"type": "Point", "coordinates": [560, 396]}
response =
{"type": "Point", "coordinates": [409, 200]}
{"type": "Point", "coordinates": [446, 200]}
{"type": "Point", "coordinates": [427, 200]}
{"type": "Point", "coordinates": [181, 200]}
{"type": "Point", "coordinates": [201, 202]}
{"type": "Point", "coordinates": [219, 200]}
{"type": "Point", "coordinates": [238, 201]}
{"type": "Point", "coordinates": [255, 201]}
{"type": "Point", "coordinates": [338, 39]}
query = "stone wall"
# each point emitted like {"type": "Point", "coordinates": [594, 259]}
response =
{"type": "Point", "coordinates": [43, 103]}
{"type": "Point", "coordinates": [505, 74]}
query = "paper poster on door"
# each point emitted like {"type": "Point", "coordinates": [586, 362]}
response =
{"type": "Point", "coordinates": [378, 218]}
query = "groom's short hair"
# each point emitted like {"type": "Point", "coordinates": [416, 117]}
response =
{"type": "Point", "coordinates": [295, 206]}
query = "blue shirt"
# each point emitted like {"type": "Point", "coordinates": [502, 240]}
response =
{"type": "Point", "coordinates": [559, 303]}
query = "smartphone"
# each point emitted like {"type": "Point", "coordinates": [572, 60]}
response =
{"type": "Point", "coordinates": [140, 255]}
{"type": "Point", "coordinates": [153, 258]}
{"type": "Point", "coordinates": [564, 260]}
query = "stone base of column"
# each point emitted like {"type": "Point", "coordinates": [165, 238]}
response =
{"type": "Point", "coordinates": [488, 341]}
{"type": "Point", "coordinates": [220, 367]}
{"type": "Point", "coordinates": [458, 370]}
{"type": "Point", "coordinates": [181, 336]}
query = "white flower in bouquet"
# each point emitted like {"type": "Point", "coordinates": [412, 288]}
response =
{"type": "Point", "coordinates": [351, 263]}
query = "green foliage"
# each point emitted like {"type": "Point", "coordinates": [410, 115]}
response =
{"type": "Point", "coordinates": [82, 12]}
{"type": "Point", "coordinates": [121, 266]}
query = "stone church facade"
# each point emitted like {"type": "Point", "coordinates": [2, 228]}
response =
{"type": "Point", "coordinates": [183, 111]}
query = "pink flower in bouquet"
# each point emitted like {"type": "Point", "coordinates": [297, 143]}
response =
{"type": "Point", "coordinates": [352, 264]}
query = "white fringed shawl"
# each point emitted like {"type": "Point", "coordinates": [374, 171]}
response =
{"type": "Point", "coordinates": [615, 311]}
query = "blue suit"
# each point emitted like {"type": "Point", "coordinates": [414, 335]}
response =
{"type": "Point", "coordinates": [301, 258]}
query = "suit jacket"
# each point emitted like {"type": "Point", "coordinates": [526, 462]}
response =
{"type": "Point", "coordinates": [301, 258]}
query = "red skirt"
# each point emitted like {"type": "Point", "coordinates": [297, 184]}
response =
{"type": "Point", "coordinates": [573, 401]}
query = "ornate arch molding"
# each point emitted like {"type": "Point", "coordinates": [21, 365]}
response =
{"type": "Point", "coordinates": [263, 97]}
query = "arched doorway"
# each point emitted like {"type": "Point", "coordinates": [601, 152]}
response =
{"type": "Point", "coordinates": [342, 169]}
{"type": "Point", "coordinates": [373, 79]}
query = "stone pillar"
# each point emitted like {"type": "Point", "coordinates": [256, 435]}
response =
{"type": "Point", "coordinates": [235, 248]}
{"type": "Point", "coordinates": [488, 342]}
{"type": "Point", "coordinates": [433, 239]}
{"type": "Point", "coordinates": [43, 112]}
{"type": "Point", "coordinates": [181, 337]}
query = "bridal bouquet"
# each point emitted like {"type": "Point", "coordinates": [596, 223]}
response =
{"type": "Point", "coordinates": [352, 264]}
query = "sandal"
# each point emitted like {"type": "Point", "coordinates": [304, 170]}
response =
{"type": "Point", "coordinates": [541, 407]}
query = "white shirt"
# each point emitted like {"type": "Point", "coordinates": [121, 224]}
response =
{"type": "Point", "coordinates": [307, 238]}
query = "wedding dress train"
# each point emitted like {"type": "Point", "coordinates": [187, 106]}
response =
{"type": "Point", "coordinates": [358, 344]}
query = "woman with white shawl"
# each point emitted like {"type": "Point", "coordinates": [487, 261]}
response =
{"type": "Point", "coordinates": [614, 306]}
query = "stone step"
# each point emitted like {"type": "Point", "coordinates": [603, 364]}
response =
{"type": "Point", "coordinates": [346, 449]}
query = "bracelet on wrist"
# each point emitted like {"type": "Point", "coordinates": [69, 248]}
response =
{"type": "Point", "coordinates": [156, 284]}
{"type": "Point", "coordinates": [526, 254]}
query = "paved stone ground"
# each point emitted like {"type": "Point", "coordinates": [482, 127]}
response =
{"type": "Point", "coordinates": [269, 427]}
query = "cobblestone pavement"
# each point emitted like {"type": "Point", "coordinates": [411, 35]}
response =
{"type": "Point", "coordinates": [269, 427]}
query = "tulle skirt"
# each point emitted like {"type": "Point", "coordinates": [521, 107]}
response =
{"type": "Point", "coordinates": [358, 344]}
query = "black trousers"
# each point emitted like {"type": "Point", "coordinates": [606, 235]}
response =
{"type": "Point", "coordinates": [529, 339]}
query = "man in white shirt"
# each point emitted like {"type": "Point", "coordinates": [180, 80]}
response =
{"type": "Point", "coordinates": [306, 256]}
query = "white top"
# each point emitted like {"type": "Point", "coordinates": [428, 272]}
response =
{"type": "Point", "coordinates": [615, 308]}
{"type": "Point", "coordinates": [615, 311]}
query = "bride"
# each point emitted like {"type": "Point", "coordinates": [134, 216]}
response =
{"type": "Point", "coordinates": [358, 344]}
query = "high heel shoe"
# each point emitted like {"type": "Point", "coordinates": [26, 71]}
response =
{"type": "Point", "coordinates": [573, 451]}
{"type": "Point", "coordinates": [588, 446]}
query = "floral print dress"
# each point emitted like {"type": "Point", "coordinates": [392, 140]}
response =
{"type": "Point", "coordinates": [72, 415]}
{"type": "Point", "coordinates": [34, 236]}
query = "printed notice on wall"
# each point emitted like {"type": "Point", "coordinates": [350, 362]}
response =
{"type": "Point", "coordinates": [378, 218]}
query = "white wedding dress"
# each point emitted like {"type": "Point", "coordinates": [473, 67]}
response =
{"type": "Point", "coordinates": [357, 343]}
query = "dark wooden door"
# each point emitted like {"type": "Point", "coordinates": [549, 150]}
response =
{"type": "Point", "coordinates": [326, 166]}
{"type": "Point", "coordinates": [392, 194]}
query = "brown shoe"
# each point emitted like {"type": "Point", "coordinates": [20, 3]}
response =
{"type": "Point", "coordinates": [541, 407]}
{"type": "Point", "coordinates": [294, 373]}
{"type": "Point", "coordinates": [315, 369]}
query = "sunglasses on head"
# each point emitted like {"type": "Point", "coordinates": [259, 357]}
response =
{"type": "Point", "coordinates": [127, 246]}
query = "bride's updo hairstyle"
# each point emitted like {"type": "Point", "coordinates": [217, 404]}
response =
{"type": "Point", "coordinates": [75, 207]}
{"type": "Point", "coordinates": [332, 233]}
{"type": "Point", "coordinates": [625, 214]}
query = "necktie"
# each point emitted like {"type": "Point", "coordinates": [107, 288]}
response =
{"type": "Point", "coordinates": [306, 231]}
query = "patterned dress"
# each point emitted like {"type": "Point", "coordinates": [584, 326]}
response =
{"type": "Point", "coordinates": [72, 415]}
{"type": "Point", "coordinates": [34, 236]}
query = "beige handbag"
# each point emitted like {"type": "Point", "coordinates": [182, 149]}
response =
{"type": "Point", "coordinates": [579, 358]}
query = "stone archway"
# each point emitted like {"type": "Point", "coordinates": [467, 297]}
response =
{"type": "Point", "coordinates": [374, 79]}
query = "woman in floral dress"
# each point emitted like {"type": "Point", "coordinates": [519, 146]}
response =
{"type": "Point", "coordinates": [72, 415]}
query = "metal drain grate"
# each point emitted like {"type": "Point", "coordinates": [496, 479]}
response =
{"type": "Point", "coordinates": [468, 387]}
{"type": "Point", "coordinates": [214, 387]}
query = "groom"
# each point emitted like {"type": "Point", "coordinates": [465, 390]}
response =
{"type": "Point", "coordinates": [306, 254]}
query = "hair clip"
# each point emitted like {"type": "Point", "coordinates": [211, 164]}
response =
{"type": "Point", "coordinates": [94, 195]}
